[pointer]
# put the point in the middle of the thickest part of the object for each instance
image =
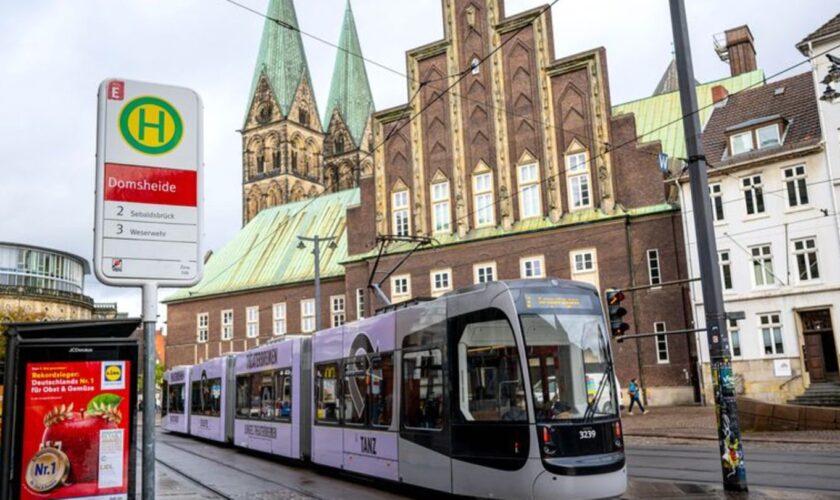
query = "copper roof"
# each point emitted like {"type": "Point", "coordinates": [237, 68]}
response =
{"type": "Point", "coordinates": [796, 105]}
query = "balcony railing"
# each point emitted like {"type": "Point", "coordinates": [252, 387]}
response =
{"type": "Point", "coordinates": [31, 291]}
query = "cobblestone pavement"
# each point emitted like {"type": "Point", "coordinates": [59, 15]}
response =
{"type": "Point", "coordinates": [692, 423]}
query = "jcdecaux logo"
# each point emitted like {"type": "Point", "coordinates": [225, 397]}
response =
{"type": "Point", "coordinates": [151, 125]}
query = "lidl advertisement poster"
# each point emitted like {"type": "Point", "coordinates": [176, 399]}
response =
{"type": "Point", "coordinates": [76, 434]}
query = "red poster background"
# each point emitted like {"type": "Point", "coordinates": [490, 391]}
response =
{"type": "Point", "coordinates": [50, 385]}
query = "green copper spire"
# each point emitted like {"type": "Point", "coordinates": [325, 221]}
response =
{"type": "Point", "coordinates": [281, 55]}
{"type": "Point", "coordinates": [350, 90]}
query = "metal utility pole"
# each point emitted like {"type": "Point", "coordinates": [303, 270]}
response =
{"type": "Point", "coordinates": [729, 431]}
{"type": "Point", "coordinates": [316, 243]}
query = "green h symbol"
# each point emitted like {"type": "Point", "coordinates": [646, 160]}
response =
{"type": "Point", "coordinates": [143, 124]}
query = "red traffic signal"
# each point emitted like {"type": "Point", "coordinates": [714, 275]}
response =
{"type": "Point", "coordinates": [616, 312]}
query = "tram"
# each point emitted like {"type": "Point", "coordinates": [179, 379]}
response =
{"type": "Point", "coordinates": [175, 400]}
{"type": "Point", "coordinates": [503, 389]}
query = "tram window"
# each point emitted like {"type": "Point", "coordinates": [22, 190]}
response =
{"type": "Point", "coordinates": [488, 369]}
{"type": "Point", "coordinates": [175, 399]}
{"type": "Point", "coordinates": [423, 389]}
{"type": "Point", "coordinates": [243, 396]}
{"type": "Point", "coordinates": [326, 393]}
{"type": "Point", "coordinates": [283, 401]}
{"type": "Point", "coordinates": [355, 391]}
{"type": "Point", "coordinates": [164, 407]}
{"type": "Point", "coordinates": [207, 397]}
{"type": "Point", "coordinates": [381, 390]}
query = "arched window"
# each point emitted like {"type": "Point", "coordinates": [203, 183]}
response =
{"type": "Point", "coordinates": [483, 199]}
{"type": "Point", "coordinates": [339, 144]}
{"type": "Point", "coordinates": [275, 160]}
{"type": "Point", "coordinates": [260, 163]}
{"type": "Point", "coordinates": [577, 179]}
{"type": "Point", "coordinates": [530, 204]}
{"type": "Point", "coordinates": [303, 117]}
{"type": "Point", "coordinates": [399, 210]}
{"type": "Point", "coordinates": [294, 161]}
{"type": "Point", "coordinates": [441, 214]}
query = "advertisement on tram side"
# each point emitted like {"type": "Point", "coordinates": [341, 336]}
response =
{"type": "Point", "coordinates": [76, 438]}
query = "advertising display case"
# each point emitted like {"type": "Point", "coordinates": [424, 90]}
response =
{"type": "Point", "coordinates": [70, 410]}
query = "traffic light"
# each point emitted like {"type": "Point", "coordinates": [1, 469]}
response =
{"type": "Point", "coordinates": [616, 312]}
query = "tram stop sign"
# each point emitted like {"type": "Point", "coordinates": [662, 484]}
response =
{"type": "Point", "coordinates": [149, 167]}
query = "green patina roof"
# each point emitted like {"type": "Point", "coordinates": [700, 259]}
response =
{"type": "Point", "coordinates": [350, 89]}
{"type": "Point", "coordinates": [521, 227]}
{"type": "Point", "coordinates": [281, 56]}
{"type": "Point", "coordinates": [264, 252]}
{"type": "Point", "coordinates": [658, 110]}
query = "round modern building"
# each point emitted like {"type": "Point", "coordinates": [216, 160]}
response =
{"type": "Point", "coordinates": [47, 282]}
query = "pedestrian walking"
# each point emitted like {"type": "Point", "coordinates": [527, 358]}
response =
{"type": "Point", "coordinates": [635, 391]}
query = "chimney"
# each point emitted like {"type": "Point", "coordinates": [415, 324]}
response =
{"type": "Point", "coordinates": [719, 93]}
{"type": "Point", "coordinates": [740, 50]}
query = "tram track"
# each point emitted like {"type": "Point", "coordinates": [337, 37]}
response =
{"type": "Point", "coordinates": [240, 470]}
{"type": "Point", "coordinates": [194, 480]}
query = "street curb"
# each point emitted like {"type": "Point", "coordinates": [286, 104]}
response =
{"type": "Point", "coordinates": [747, 438]}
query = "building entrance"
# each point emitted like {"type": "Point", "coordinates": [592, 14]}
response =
{"type": "Point", "coordinates": [820, 349]}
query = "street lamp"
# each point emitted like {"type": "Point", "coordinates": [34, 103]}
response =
{"type": "Point", "coordinates": [316, 251]}
{"type": "Point", "coordinates": [831, 80]}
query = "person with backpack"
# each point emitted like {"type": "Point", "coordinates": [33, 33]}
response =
{"type": "Point", "coordinates": [635, 392]}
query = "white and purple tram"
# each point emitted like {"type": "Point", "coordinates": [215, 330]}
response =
{"type": "Point", "coordinates": [211, 399]}
{"type": "Point", "coordinates": [175, 398]}
{"type": "Point", "coordinates": [504, 389]}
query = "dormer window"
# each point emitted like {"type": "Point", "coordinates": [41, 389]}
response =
{"type": "Point", "coordinates": [741, 143]}
{"type": "Point", "coordinates": [768, 136]}
{"type": "Point", "coordinates": [755, 134]}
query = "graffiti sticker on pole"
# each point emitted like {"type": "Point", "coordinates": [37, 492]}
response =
{"type": "Point", "coordinates": [148, 185]}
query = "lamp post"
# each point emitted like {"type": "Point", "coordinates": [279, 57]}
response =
{"type": "Point", "coordinates": [316, 251]}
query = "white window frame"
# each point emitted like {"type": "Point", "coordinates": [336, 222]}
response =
{"type": "Point", "coordinates": [654, 265]}
{"type": "Point", "coordinates": [401, 217]}
{"type": "Point", "coordinates": [202, 330]}
{"type": "Point", "coordinates": [753, 190]}
{"type": "Point", "coordinates": [732, 138]}
{"type": "Point", "coordinates": [446, 275]}
{"type": "Point", "coordinates": [808, 253]}
{"type": "Point", "coordinates": [338, 310]}
{"type": "Point", "coordinates": [278, 318]}
{"type": "Point", "coordinates": [400, 295]}
{"type": "Point", "coordinates": [441, 222]}
{"type": "Point", "coordinates": [725, 261]}
{"type": "Point", "coordinates": [307, 318]}
{"type": "Point", "coordinates": [768, 277]}
{"type": "Point", "coordinates": [772, 326]}
{"type": "Point", "coordinates": [532, 267]}
{"type": "Point", "coordinates": [360, 303]}
{"type": "Point", "coordinates": [734, 331]}
{"type": "Point", "coordinates": [227, 326]}
{"type": "Point", "coordinates": [798, 182]}
{"type": "Point", "coordinates": [484, 266]}
{"type": "Point", "coordinates": [529, 191]}
{"type": "Point", "coordinates": [716, 195]}
{"type": "Point", "coordinates": [579, 265]}
{"type": "Point", "coordinates": [578, 178]}
{"type": "Point", "coordinates": [775, 127]}
{"type": "Point", "coordinates": [485, 215]}
{"type": "Point", "coordinates": [661, 343]}
{"type": "Point", "coordinates": [252, 322]}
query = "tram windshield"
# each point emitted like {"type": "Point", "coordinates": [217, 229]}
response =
{"type": "Point", "coordinates": [569, 366]}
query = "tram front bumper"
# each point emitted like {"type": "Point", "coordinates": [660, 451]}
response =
{"type": "Point", "coordinates": [552, 486]}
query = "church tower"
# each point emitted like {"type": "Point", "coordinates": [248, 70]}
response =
{"type": "Point", "coordinates": [282, 138]}
{"type": "Point", "coordinates": [348, 114]}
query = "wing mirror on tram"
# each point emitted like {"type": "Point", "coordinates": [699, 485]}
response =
{"type": "Point", "coordinates": [616, 312]}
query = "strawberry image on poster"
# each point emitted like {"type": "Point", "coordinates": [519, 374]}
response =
{"type": "Point", "coordinates": [71, 410]}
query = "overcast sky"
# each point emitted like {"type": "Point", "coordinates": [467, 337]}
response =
{"type": "Point", "coordinates": [53, 54]}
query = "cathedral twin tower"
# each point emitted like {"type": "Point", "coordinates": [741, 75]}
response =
{"type": "Point", "coordinates": [288, 152]}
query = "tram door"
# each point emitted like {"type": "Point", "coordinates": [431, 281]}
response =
{"type": "Point", "coordinates": [424, 449]}
{"type": "Point", "coordinates": [489, 416]}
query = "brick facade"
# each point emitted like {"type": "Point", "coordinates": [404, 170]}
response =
{"type": "Point", "coordinates": [520, 107]}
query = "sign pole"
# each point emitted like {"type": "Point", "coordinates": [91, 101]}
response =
{"type": "Point", "coordinates": [729, 432]}
{"type": "Point", "coordinates": [149, 407]}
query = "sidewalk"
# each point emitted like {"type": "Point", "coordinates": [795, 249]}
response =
{"type": "Point", "coordinates": [698, 423]}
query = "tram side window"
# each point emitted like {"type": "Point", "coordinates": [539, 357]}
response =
{"type": "Point", "coordinates": [355, 392]}
{"type": "Point", "coordinates": [491, 388]}
{"type": "Point", "coordinates": [423, 389]}
{"type": "Point", "coordinates": [326, 393]}
{"type": "Point", "coordinates": [175, 398]}
{"type": "Point", "coordinates": [283, 401]}
{"type": "Point", "coordinates": [207, 397]}
{"type": "Point", "coordinates": [164, 390]}
{"type": "Point", "coordinates": [381, 390]}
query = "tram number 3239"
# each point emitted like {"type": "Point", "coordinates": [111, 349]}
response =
{"type": "Point", "coordinates": [587, 434]}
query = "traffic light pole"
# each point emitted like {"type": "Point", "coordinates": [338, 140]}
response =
{"type": "Point", "coordinates": [729, 432]}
